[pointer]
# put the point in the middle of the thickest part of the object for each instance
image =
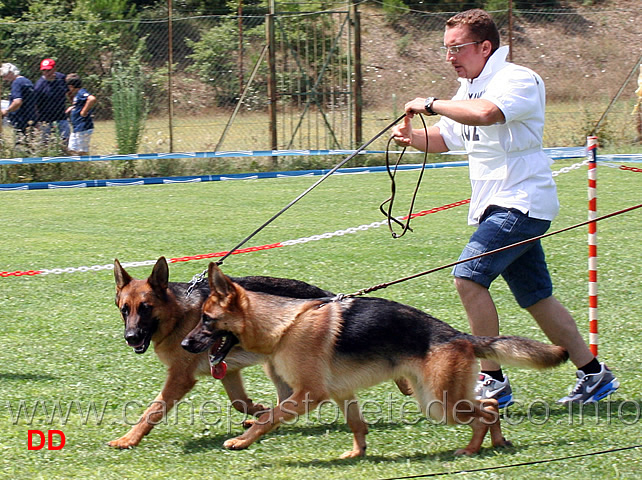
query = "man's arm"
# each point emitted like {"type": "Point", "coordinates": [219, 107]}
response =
{"type": "Point", "coordinates": [476, 112]}
{"type": "Point", "coordinates": [16, 103]}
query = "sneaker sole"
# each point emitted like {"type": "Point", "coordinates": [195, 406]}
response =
{"type": "Point", "coordinates": [505, 401]}
{"type": "Point", "coordinates": [605, 391]}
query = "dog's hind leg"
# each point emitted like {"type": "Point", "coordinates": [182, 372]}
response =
{"type": "Point", "coordinates": [283, 390]}
{"type": "Point", "coordinates": [450, 371]}
{"type": "Point", "coordinates": [350, 408]}
{"type": "Point", "coordinates": [496, 436]}
{"type": "Point", "coordinates": [485, 417]}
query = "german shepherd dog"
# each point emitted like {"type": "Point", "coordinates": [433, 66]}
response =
{"type": "Point", "coordinates": [159, 312]}
{"type": "Point", "coordinates": [328, 348]}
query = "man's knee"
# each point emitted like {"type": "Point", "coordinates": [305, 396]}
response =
{"type": "Point", "coordinates": [464, 285]}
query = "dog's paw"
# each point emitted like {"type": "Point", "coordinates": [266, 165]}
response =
{"type": "Point", "coordinates": [465, 452]}
{"type": "Point", "coordinates": [248, 422]}
{"type": "Point", "coordinates": [237, 443]}
{"type": "Point", "coordinates": [353, 454]}
{"type": "Point", "coordinates": [256, 409]}
{"type": "Point", "coordinates": [503, 444]}
{"type": "Point", "coordinates": [122, 443]}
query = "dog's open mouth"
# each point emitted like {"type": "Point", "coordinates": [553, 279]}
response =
{"type": "Point", "coordinates": [218, 351]}
{"type": "Point", "coordinates": [142, 346]}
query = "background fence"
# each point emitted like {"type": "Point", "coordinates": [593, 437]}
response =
{"type": "Point", "coordinates": [331, 80]}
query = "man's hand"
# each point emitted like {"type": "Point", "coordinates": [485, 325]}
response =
{"type": "Point", "coordinates": [418, 105]}
{"type": "Point", "coordinates": [402, 133]}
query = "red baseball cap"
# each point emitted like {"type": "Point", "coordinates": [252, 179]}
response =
{"type": "Point", "coordinates": [47, 64]}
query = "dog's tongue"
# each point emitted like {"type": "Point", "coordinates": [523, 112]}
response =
{"type": "Point", "coordinates": [219, 370]}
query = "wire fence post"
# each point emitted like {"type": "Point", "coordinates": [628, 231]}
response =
{"type": "Point", "coordinates": [591, 142]}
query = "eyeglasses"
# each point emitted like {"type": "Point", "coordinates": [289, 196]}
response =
{"type": "Point", "coordinates": [454, 49]}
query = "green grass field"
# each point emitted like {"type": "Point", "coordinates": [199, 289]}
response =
{"type": "Point", "coordinates": [62, 350]}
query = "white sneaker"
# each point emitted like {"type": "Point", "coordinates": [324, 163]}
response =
{"type": "Point", "coordinates": [487, 387]}
{"type": "Point", "coordinates": [593, 387]}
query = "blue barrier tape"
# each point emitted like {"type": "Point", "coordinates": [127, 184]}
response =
{"type": "Point", "coordinates": [178, 156]}
{"type": "Point", "coordinates": [560, 153]}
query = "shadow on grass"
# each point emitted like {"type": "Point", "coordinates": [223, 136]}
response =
{"type": "Point", "coordinates": [11, 376]}
{"type": "Point", "coordinates": [626, 412]}
{"type": "Point", "coordinates": [216, 441]}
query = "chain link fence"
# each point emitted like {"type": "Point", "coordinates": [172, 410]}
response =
{"type": "Point", "coordinates": [211, 83]}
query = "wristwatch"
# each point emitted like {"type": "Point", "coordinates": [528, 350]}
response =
{"type": "Point", "coordinates": [428, 105]}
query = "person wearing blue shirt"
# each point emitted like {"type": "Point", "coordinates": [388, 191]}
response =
{"type": "Point", "coordinates": [21, 111]}
{"type": "Point", "coordinates": [81, 115]}
{"type": "Point", "coordinates": [51, 102]}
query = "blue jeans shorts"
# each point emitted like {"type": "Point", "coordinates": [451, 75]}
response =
{"type": "Point", "coordinates": [524, 267]}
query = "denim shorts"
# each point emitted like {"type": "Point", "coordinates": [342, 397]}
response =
{"type": "Point", "coordinates": [524, 267]}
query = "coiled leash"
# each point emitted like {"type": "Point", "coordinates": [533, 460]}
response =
{"type": "Point", "coordinates": [200, 277]}
{"type": "Point", "coordinates": [393, 187]}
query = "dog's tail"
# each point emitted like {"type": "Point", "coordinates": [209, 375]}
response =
{"type": "Point", "coordinates": [519, 351]}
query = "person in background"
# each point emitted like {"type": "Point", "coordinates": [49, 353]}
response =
{"type": "Point", "coordinates": [497, 116]}
{"type": "Point", "coordinates": [51, 103]}
{"type": "Point", "coordinates": [21, 110]}
{"type": "Point", "coordinates": [81, 115]}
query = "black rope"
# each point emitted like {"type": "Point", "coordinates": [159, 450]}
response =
{"type": "Point", "coordinates": [522, 464]}
{"type": "Point", "coordinates": [334, 169]}
{"type": "Point", "coordinates": [523, 242]}
{"type": "Point", "coordinates": [393, 188]}
{"type": "Point", "coordinates": [198, 278]}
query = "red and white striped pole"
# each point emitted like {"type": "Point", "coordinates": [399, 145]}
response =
{"type": "Point", "coordinates": [592, 241]}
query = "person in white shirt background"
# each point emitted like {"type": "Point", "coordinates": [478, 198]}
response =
{"type": "Point", "coordinates": [497, 117]}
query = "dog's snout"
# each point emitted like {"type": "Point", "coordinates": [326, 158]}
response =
{"type": "Point", "coordinates": [187, 344]}
{"type": "Point", "coordinates": [133, 336]}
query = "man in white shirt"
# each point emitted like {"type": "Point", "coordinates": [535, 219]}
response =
{"type": "Point", "coordinates": [497, 116]}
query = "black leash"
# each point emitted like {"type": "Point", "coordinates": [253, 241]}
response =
{"type": "Point", "coordinates": [523, 242]}
{"type": "Point", "coordinates": [393, 187]}
{"type": "Point", "coordinates": [198, 278]}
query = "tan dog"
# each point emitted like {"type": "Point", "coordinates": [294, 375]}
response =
{"type": "Point", "coordinates": [329, 348]}
{"type": "Point", "coordinates": [159, 312]}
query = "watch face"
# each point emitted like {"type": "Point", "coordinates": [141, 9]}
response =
{"type": "Point", "coordinates": [428, 104]}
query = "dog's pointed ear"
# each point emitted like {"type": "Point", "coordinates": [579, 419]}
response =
{"type": "Point", "coordinates": [220, 285]}
{"type": "Point", "coordinates": [121, 276]}
{"type": "Point", "coordinates": [159, 278]}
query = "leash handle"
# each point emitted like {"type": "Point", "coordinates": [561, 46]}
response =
{"type": "Point", "coordinates": [393, 188]}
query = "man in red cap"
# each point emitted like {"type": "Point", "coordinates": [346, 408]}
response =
{"type": "Point", "coordinates": [51, 103]}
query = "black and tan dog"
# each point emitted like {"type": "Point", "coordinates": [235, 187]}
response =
{"type": "Point", "coordinates": [159, 312]}
{"type": "Point", "coordinates": [329, 348]}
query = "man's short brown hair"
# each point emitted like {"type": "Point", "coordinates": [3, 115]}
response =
{"type": "Point", "coordinates": [480, 23]}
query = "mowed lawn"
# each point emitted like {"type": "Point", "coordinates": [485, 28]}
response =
{"type": "Point", "coordinates": [65, 366]}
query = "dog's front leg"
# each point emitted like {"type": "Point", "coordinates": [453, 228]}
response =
{"type": "Point", "coordinates": [178, 383]}
{"type": "Point", "coordinates": [299, 403]}
{"type": "Point", "coordinates": [233, 384]}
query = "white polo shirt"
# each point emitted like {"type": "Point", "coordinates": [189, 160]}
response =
{"type": "Point", "coordinates": [507, 165]}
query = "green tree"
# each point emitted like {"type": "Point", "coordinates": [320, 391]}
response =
{"type": "Point", "coordinates": [129, 103]}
